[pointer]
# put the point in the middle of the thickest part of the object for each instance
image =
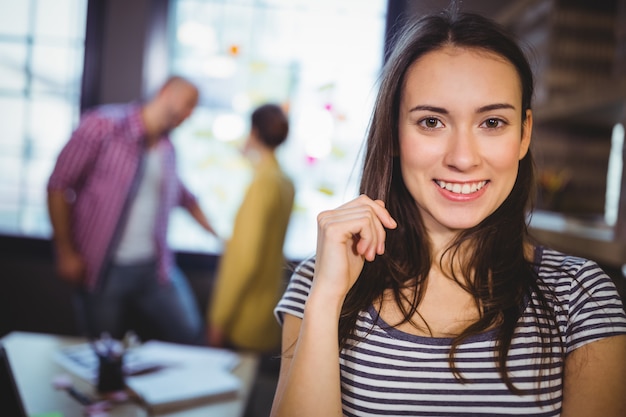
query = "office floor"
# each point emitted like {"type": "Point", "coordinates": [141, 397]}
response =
{"type": "Point", "coordinates": [260, 403]}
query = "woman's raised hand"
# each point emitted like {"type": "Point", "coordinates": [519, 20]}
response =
{"type": "Point", "coordinates": [346, 237]}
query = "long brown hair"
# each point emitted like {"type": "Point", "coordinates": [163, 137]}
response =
{"type": "Point", "coordinates": [502, 277]}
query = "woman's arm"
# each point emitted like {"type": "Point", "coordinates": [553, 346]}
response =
{"type": "Point", "coordinates": [309, 382]}
{"type": "Point", "coordinates": [595, 379]}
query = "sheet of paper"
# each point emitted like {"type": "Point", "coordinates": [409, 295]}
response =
{"type": "Point", "coordinates": [82, 361]}
{"type": "Point", "coordinates": [155, 351]}
{"type": "Point", "coordinates": [183, 386]}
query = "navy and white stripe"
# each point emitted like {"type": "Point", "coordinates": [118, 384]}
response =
{"type": "Point", "coordinates": [392, 373]}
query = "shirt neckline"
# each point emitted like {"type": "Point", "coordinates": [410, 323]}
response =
{"type": "Point", "coordinates": [489, 335]}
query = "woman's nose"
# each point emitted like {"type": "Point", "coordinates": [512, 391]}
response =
{"type": "Point", "coordinates": [462, 152]}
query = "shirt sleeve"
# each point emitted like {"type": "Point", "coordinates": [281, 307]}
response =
{"type": "Point", "coordinates": [595, 308]}
{"type": "Point", "coordinates": [79, 153]}
{"type": "Point", "coordinates": [297, 292]}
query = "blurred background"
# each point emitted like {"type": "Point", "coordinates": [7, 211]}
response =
{"type": "Point", "coordinates": [318, 58]}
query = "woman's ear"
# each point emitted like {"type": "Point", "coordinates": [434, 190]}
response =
{"type": "Point", "coordinates": [527, 130]}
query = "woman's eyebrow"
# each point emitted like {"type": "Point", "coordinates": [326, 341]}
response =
{"type": "Point", "coordinates": [482, 109]}
{"type": "Point", "coordinates": [427, 107]}
{"type": "Point", "coordinates": [496, 106]}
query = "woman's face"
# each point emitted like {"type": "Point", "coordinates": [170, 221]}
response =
{"type": "Point", "coordinates": [461, 135]}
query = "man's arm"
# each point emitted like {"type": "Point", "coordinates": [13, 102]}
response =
{"type": "Point", "coordinates": [199, 216]}
{"type": "Point", "coordinates": [70, 266]}
{"type": "Point", "coordinates": [74, 162]}
{"type": "Point", "coordinates": [189, 202]}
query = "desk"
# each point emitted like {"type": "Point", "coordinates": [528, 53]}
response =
{"type": "Point", "coordinates": [32, 360]}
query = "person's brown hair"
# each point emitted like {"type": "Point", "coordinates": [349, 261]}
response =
{"type": "Point", "coordinates": [271, 124]}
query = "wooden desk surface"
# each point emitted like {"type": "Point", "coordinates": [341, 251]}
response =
{"type": "Point", "coordinates": [31, 356]}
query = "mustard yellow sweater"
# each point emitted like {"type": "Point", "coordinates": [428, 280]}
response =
{"type": "Point", "coordinates": [249, 280]}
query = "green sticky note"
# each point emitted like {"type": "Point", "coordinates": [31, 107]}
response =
{"type": "Point", "coordinates": [52, 414]}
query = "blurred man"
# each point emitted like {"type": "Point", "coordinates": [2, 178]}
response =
{"type": "Point", "coordinates": [109, 199]}
{"type": "Point", "coordinates": [249, 278]}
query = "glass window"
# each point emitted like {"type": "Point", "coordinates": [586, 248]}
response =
{"type": "Point", "coordinates": [56, 69]}
{"type": "Point", "coordinates": [12, 108]}
{"type": "Point", "coordinates": [63, 20]}
{"type": "Point", "coordinates": [15, 16]}
{"type": "Point", "coordinates": [318, 59]}
{"type": "Point", "coordinates": [41, 56]}
{"type": "Point", "coordinates": [12, 64]}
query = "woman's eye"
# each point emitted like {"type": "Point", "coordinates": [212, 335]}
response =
{"type": "Point", "coordinates": [493, 123]}
{"type": "Point", "coordinates": [430, 122]}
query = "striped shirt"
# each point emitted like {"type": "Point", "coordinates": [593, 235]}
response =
{"type": "Point", "coordinates": [392, 373]}
{"type": "Point", "coordinates": [99, 169]}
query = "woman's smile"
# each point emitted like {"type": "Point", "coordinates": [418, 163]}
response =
{"type": "Point", "coordinates": [461, 187]}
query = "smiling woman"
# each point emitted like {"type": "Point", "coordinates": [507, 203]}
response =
{"type": "Point", "coordinates": [426, 295]}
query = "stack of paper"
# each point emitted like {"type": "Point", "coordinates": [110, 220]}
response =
{"type": "Point", "coordinates": [180, 387]}
{"type": "Point", "coordinates": [186, 375]}
{"type": "Point", "coordinates": [194, 374]}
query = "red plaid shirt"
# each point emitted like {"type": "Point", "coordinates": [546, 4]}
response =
{"type": "Point", "coordinates": [100, 166]}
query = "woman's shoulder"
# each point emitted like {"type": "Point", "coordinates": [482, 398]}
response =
{"type": "Point", "coordinates": [553, 266]}
{"type": "Point", "coordinates": [302, 275]}
{"type": "Point", "coordinates": [549, 257]}
{"type": "Point", "coordinates": [297, 291]}
{"type": "Point", "coordinates": [306, 268]}
{"type": "Point", "coordinates": [572, 280]}
{"type": "Point", "coordinates": [582, 295]}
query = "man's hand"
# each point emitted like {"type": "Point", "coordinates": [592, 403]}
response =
{"type": "Point", "coordinates": [215, 336]}
{"type": "Point", "coordinates": [199, 216]}
{"type": "Point", "coordinates": [70, 267]}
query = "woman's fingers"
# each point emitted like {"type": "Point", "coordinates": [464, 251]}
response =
{"type": "Point", "coordinates": [356, 229]}
{"type": "Point", "coordinates": [359, 223]}
{"type": "Point", "coordinates": [347, 236]}
{"type": "Point", "coordinates": [384, 215]}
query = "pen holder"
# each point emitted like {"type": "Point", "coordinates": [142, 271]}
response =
{"type": "Point", "coordinates": [110, 373]}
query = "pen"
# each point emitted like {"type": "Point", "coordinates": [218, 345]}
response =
{"type": "Point", "coordinates": [64, 382]}
{"type": "Point", "coordinates": [93, 406]}
{"type": "Point", "coordinates": [79, 396]}
{"type": "Point", "coordinates": [144, 370]}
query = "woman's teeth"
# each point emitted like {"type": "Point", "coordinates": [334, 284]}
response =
{"type": "Point", "coordinates": [465, 188]}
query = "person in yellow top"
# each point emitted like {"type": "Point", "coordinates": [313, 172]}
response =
{"type": "Point", "coordinates": [249, 279]}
